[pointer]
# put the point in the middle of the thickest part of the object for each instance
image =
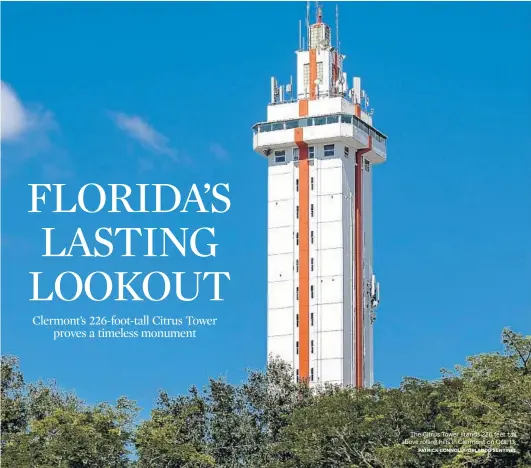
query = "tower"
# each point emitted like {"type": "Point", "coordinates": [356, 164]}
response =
{"type": "Point", "coordinates": [321, 146]}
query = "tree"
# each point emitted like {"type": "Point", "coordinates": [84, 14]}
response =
{"type": "Point", "coordinates": [174, 437]}
{"type": "Point", "coordinates": [479, 414]}
{"type": "Point", "coordinates": [44, 427]}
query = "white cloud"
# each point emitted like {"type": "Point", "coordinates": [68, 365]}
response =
{"type": "Point", "coordinates": [140, 130]}
{"type": "Point", "coordinates": [17, 119]}
{"type": "Point", "coordinates": [219, 152]}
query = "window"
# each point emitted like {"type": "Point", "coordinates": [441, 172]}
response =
{"type": "Point", "coordinates": [320, 72]}
{"type": "Point", "coordinates": [316, 35]}
{"type": "Point", "coordinates": [295, 154]}
{"type": "Point", "coordinates": [346, 118]}
{"type": "Point", "coordinates": [297, 374]}
{"type": "Point", "coordinates": [265, 128]}
{"type": "Point", "coordinates": [311, 292]}
{"type": "Point", "coordinates": [311, 350]}
{"type": "Point", "coordinates": [332, 119]}
{"type": "Point", "coordinates": [297, 212]}
{"type": "Point", "coordinates": [280, 156]}
{"type": "Point", "coordinates": [296, 265]}
{"type": "Point", "coordinates": [311, 209]}
{"type": "Point", "coordinates": [311, 319]}
{"type": "Point", "coordinates": [297, 348]}
{"type": "Point", "coordinates": [311, 237]}
{"type": "Point", "coordinates": [311, 152]}
{"type": "Point", "coordinates": [297, 319]}
{"type": "Point", "coordinates": [311, 264]}
{"type": "Point", "coordinates": [319, 121]}
{"type": "Point", "coordinates": [297, 238]}
{"type": "Point", "coordinates": [311, 182]}
{"type": "Point", "coordinates": [297, 293]}
{"type": "Point", "coordinates": [306, 74]}
{"type": "Point", "coordinates": [277, 126]}
{"type": "Point", "coordinates": [311, 374]}
{"type": "Point", "coordinates": [367, 166]}
{"type": "Point", "coordinates": [329, 150]}
{"type": "Point", "coordinates": [297, 185]}
{"type": "Point", "coordinates": [292, 124]}
{"type": "Point", "coordinates": [346, 152]}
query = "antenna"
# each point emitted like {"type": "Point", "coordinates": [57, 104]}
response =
{"type": "Point", "coordinates": [274, 90]}
{"type": "Point", "coordinates": [337, 28]}
{"type": "Point", "coordinates": [289, 88]}
{"type": "Point", "coordinates": [308, 23]}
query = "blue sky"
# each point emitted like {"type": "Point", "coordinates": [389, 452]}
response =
{"type": "Point", "coordinates": [167, 93]}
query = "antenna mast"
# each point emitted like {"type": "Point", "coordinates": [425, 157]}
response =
{"type": "Point", "coordinates": [337, 29]}
{"type": "Point", "coordinates": [318, 12]}
{"type": "Point", "coordinates": [300, 35]}
{"type": "Point", "coordinates": [308, 23]}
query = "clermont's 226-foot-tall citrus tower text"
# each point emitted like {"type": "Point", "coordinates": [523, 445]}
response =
{"type": "Point", "coordinates": [321, 147]}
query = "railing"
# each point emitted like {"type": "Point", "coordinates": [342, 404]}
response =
{"type": "Point", "coordinates": [321, 120]}
{"type": "Point", "coordinates": [325, 94]}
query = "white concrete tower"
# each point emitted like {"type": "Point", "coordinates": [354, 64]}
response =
{"type": "Point", "coordinates": [321, 146]}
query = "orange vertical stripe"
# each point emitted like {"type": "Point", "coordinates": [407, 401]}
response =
{"type": "Point", "coordinates": [303, 107]}
{"type": "Point", "coordinates": [313, 73]}
{"type": "Point", "coordinates": [304, 257]}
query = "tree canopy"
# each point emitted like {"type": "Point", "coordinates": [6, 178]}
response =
{"type": "Point", "coordinates": [476, 415]}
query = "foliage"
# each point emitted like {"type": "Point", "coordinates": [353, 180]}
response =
{"type": "Point", "coordinates": [46, 428]}
{"type": "Point", "coordinates": [271, 422]}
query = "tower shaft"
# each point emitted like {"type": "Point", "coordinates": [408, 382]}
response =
{"type": "Point", "coordinates": [321, 146]}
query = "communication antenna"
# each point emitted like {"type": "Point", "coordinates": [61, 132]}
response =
{"type": "Point", "coordinates": [308, 23]}
{"type": "Point", "coordinates": [337, 29]}
{"type": "Point", "coordinates": [289, 88]}
{"type": "Point", "coordinates": [274, 90]}
{"type": "Point", "coordinates": [300, 35]}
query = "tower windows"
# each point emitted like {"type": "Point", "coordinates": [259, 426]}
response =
{"type": "Point", "coordinates": [297, 320]}
{"type": "Point", "coordinates": [346, 118]}
{"type": "Point", "coordinates": [295, 154]}
{"type": "Point", "coordinates": [346, 152]}
{"type": "Point", "coordinates": [297, 348]}
{"type": "Point", "coordinates": [311, 346]}
{"type": "Point", "coordinates": [311, 152]}
{"type": "Point", "coordinates": [311, 374]}
{"type": "Point", "coordinates": [297, 265]}
{"type": "Point", "coordinates": [311, 264]}
{"type": "Point", "coordinates": [297, 211]}
{"type": "Point", "coordinates": [297, 238]}
{"type": "Point", "coordinates": [367, 166]}
{"type": "Point", "coordinates": [297, 185]}
{"type": "Point", "coordinates": [311, 237]}
{"type": "Point", "coordinates": [311, 209]}
{"type": "Point", "coordinates": [311, 319]}
{"type": "Point", "coordinates": [280, 156]}
{"type": "Point", "coordinates": [311, 183]}
{"type": "Point", "coordinates": [320, 72]}
{"type": "Point", "coordinates": [297, 374]}
{"type": "Point", "coordinates": [311, 292]}
{"type": "Point", "coordinates": [329, 150]}
{"type": "Point", "coordinates": [297, 293]}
